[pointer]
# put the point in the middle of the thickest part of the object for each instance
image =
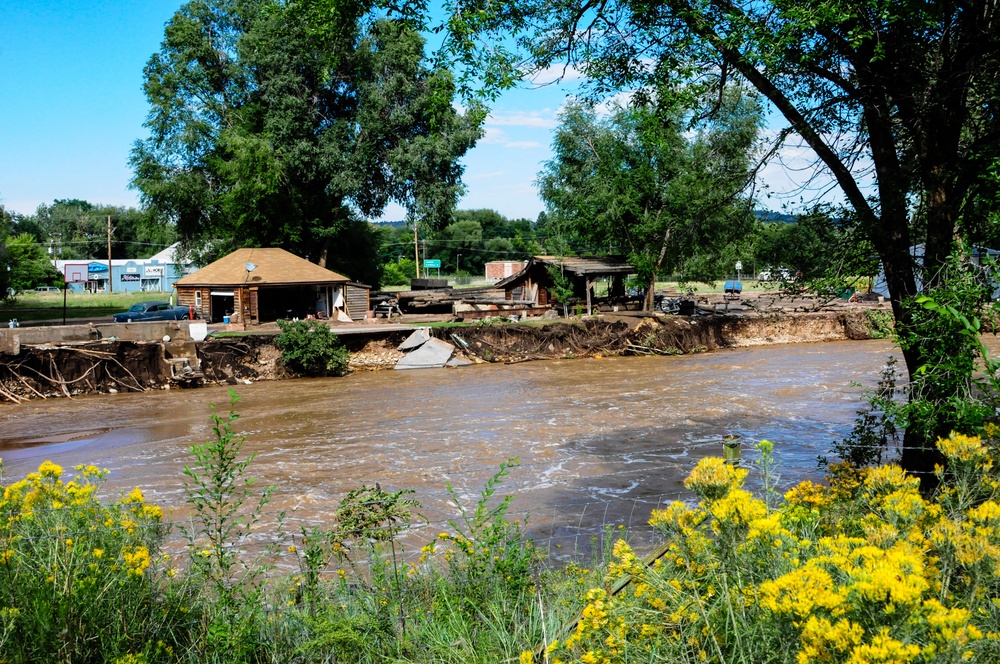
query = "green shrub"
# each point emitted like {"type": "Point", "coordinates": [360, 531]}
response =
{"type": "Point", "coordinates": [880, 322]}
{"type": "Point", "coordinates": [398, 273]}
{"type": "Point", "coordinates": [309, 348]}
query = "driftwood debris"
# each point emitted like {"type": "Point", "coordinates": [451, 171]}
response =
{"type": "Point", "coordinates": [68, 369]}
{"type": "Point", "coordinates": [443, 299]}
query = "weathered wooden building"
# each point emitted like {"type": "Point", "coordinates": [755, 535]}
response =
{"type": "Point", "coordinates": [533, 284]}
{"type": "Point", "coordinates": [251, 286]}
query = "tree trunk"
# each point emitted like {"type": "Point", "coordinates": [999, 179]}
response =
{"type": "Point", "coordinates": [647, 305]}
{"type": "Point", "coordinates": [324, 253]}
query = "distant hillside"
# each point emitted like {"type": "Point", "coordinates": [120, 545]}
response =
{"type": "Point", "coordinates": [768, 215]}
{"type": "Point", "coordinates": [389, 224]}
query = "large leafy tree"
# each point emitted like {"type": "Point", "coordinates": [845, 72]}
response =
{"type": "Point", "coordinates": [5, 267]}
{"type": "Point", "coordinates": [29, 265]}
{"type": "Point", "coordinates": [897, 99]}
{"type": "Point", "coordinates": [636, 183]}
{"type": "Point", "coordinates": [278, 124]}
{"type": "Point", "coordinates": [79, 229]}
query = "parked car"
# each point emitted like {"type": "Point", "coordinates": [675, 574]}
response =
{"type": "Point", "coordinates": [143, 311]}
{"type": "Point", "coordinates": [46, 289]}
{"type": "Point", "coordinates": [775, 274]}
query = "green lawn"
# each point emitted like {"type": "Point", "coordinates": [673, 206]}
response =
{"type": "Point", "coordinates": [28, 307]}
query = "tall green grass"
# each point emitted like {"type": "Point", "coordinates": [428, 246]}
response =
{"type": "Point", "coordinates": [49, 306]}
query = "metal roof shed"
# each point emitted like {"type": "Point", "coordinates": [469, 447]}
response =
{"type": "Point", "coordinates": [533, 283]}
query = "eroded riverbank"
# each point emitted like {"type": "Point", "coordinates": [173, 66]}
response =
{"type": "Point", "coordinates": [116, 365]}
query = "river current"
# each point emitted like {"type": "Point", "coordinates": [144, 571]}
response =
{"type": "Point", "coordinates": [601, 441]}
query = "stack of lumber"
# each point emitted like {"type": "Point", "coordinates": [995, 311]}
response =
{"type": "Point", "coordinates": [430, 301]}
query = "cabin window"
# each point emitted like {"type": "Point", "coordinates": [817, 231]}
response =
{"type": "Point", "coordinates": [197, 299]}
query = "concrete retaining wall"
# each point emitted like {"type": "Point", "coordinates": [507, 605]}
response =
{"type": "Point", "coordinates": [12, 339]}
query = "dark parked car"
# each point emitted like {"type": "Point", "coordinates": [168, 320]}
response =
{"type": "Point", "coordinates": [153, 311]}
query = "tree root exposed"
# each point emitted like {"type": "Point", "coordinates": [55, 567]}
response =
{"type": "Point", "coordinates": [68, 370]}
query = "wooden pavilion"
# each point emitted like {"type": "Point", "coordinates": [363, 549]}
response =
{"type": "Point", "coordinates": [533, 284]}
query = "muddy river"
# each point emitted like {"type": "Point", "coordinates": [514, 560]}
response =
{"type": "Point", "coordinates": [601, 441]}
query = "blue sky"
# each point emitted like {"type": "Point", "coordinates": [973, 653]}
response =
{"type": "Point", "coordinates": [71, 76]}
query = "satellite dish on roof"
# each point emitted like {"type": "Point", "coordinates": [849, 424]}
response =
{"type": "Point", "coordinates": [250, 266]}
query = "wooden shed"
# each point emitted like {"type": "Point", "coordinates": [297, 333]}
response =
{"type": "Point", "coordinates": [534, 283]}
{"type": "Point", "coordinates": [357, 299]}
{"type": "Point", "coordinates": [259, 285]}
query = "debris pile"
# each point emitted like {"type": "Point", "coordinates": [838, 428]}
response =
{"type": "Point", "coordinates": [375, 355]}
{"type": "Point", "coordinates": [425, 352]}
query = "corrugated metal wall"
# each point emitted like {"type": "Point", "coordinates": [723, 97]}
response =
{"type": "Point", "coordinates": [356, 298]}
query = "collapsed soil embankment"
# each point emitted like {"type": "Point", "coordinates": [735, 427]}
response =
{"type": "Point", "coordinates": [110, 365]}
{"type": "Point", "coordinates": [656, 335]}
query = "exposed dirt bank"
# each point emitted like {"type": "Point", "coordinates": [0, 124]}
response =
{"type": "Point", "coordinates": [612, 334]}
{"type": "Point", "coordinates": [115, 365]}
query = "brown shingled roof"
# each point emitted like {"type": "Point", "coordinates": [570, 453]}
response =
{"type": "Point", "coordinates": [275, 267]}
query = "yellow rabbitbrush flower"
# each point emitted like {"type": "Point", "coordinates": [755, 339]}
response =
{"type": "Point", "coordinates": [867, 572]}
{"type": "Point", "coordinates": [903, 508]}
{"type": "Point", "coordinates": [738, 507]}
{"type": "Point", "coordinates": [884, 480]}
{"type": "Point", "coordinates": [808, 494]}
{"type": "Point", "coordinates": [958, 447]}
{"type": "Point", "coordinates": [800, 592]}
{"type": "Point", "coordinates": [51, 470]}
{"type": "Point", "coordinates": [845, 480]}
{"type": "Point", "coordinates": [768, 531]}
{"type": "Point", "coordinates": [986, 515]}
{"type": "Point", "coordinates": [677, 517]}
{"type": "Point", "coordinates": [950, 626]}
{"type": "Point", "coordinates": [965, 543]}
{"type": "Point", "coordinates": [892, 577]}
{"type": "Point", "coordinates": [826, 643]}
{"type": "Point", "coordinates": [884, 650]}
{"type": "Point", "coordinates": [712, 478]}
{"type": "Point", "coordinates": [625, 561]}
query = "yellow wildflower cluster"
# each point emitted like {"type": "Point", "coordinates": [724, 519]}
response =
{"type": "Point", "coordinates": [58, 539]}
{"type": "Point", "coordinates": [957, 447]}
{"type": "Point", "coordinates": [136, 559]}
{"type": "Point", "coordinates": [808, 494]}
{"type": "Point", "coordinates": [712, 478]}
{"type": "Point", "coordinates": [865, 571]}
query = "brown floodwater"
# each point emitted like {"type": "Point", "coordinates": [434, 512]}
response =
{"type": "Point", "coordinates": [601, 441]}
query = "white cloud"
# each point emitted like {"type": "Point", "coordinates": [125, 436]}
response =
{"type": "Point", "coordinates": [795, 176]}
{"type": "Point", "coordinates": [558, 73]}
{"type": "Point", "coordinates": [493, 136]}
{"type": "Point", "coordinates": [544, 119]}
{"type": "Point", "coordinates": [614, 103]}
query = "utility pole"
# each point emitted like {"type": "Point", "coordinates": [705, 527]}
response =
{"type": "Point", "coordinates": [110, 279]}
{"type": "Point", "coordinates": [416, 249]}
